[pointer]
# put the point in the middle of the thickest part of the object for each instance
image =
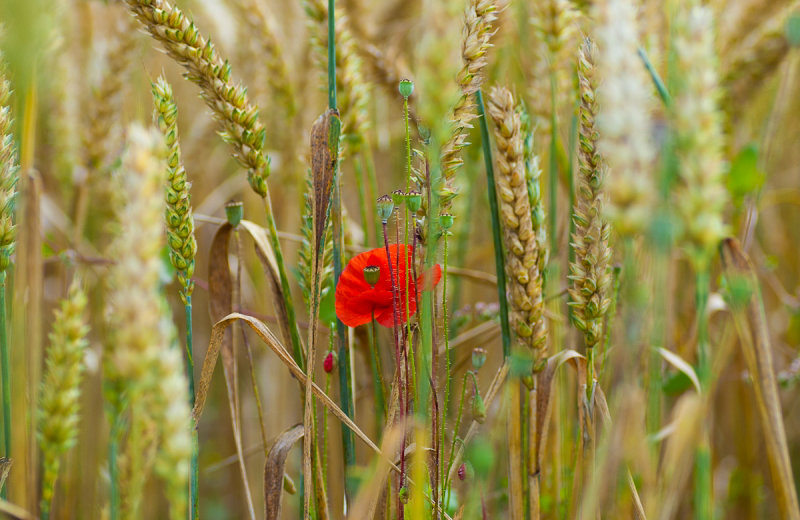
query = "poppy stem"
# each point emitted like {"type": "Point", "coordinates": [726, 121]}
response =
{"type": "Point", "coordinates": [398, 361]}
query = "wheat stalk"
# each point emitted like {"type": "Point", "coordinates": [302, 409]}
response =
{"type": "Point", "coordinates": [624, 118]}
{"type": "Point", "coordinates": [522, 260]}
{"type": "Point", "coordinates": [477, 33]}
{"type": "Point", "coordinates": [702, 196]}
{"type": "Point", "coordinates": [589, 272]}
{"type": "Point", "coordinates": [756, 56]}
{"type": "Point", "coordinates": [351, 87]}
{"type": "Point", "coordinates": [58, 408]}
{"type": "Point", "coordinates": [141, 362]}
{"type": "Point", "coordinates": [180, 223]}
{"type": "Point", "coordinates": [259, 22]}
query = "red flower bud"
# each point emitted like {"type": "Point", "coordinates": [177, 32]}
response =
{"type": "Point", "coordinates": [327, 365]}
{"type": "Point", "coordinates": [462, 471]}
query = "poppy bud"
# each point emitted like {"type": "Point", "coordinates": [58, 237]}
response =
{"type": "Point", "coordinates": [397, 197]}
{"type": "Point", "coordinates": [462, 471]}
{"type": "Point", "coordinates": [478, 357]}
{"type": "Point", "coordinates": [234, 211]}
{"type": "Point", "coordinates": [446, 221]}
{"type": "Point", "coordinates": [327, 364]}
{"type": "Point", "coordinates": [403, 494]}
{"type": "Point", "coordinates": [414, 201]}
{"type": "Point", "coordinates": [372, 273]}
{"type": "Point", "coordinates": [478, 408]}
{"type": "Point", "coordinates": [406, 88]}
{"type": "Point", "coordinates": [385, 208]}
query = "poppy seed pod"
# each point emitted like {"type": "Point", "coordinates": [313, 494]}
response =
{"type": "Point", "coordinates": [234, 211]}
{"type": "Point", "coordinates": [385, 208]}
{"type": "Point", "coordinates": [413, 201]}
{"type": "Point", "coordinates": [372, 273]}
{"type": "Point", "coordinates": [406, 88]}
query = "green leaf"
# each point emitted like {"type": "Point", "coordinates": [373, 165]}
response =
{"type": "Point", "coordinates": [676, 384]}
{"type": "Point", "coordinates": [745, 177]}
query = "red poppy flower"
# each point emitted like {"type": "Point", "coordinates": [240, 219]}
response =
{"type": "Point", "coordinates": [357, 300]}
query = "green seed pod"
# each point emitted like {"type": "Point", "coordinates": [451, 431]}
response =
{"type": "Point", "coordinates": [478, 357]}
{"type": "Point", "coordinates": [413, 201]}
{"type": "Point", "coordinates": [398, 197]}
{"type": "Point", "coordinates": [446, 221]}
{"type": "Point", "coordinates": [234, 211]}
{"type": "Point", "coordinates": [406, 88]}
{"type": "Point", "coordinates": [478, 407]}
{"type": "Point", "coordinates": [372, 274]}
{"type": "Point", "coordinates": [385, 208]}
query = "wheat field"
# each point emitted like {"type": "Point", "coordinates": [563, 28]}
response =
{"type": "Point", "coordinates": [399, 259]}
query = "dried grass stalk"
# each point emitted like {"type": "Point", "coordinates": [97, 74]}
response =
{"type": "Point", "coordinates": [756, 57]}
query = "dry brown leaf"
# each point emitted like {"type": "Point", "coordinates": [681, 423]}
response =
{"type": "Point", "coordinates": [220, 304]}
{"type": "Point", "coordinates": [751, 323]}
{"type": "Point", "coordinates": [273, 470]}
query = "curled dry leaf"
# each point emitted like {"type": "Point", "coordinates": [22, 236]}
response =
{"type": "Point", "coordinates": [273, 470]}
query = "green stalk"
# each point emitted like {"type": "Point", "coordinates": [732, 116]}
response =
{"type": "Point", "coordinates": [195, 472]}
{"type": "Point", "coordinates": [659, 84]}
{"type": "Point", "coordinates": [703, 492]}
{"type": "Point", "coordinates": [499, 262]}
{"type": "Point", "coordinates": [345, 377]}
{"type": "Point", "coordinates": [358, 168]}
{"type": "Point", "coordinates": [6, 373]}
{"type": "Point", "coordinates": [427, 314]}
{"type": "Point", "coordinates": [447, 369]}
{"type": "Point", "coordinates": [553, 170]}
{"type": "Point", "coordinates": [288, 303]}
{"type": "Point", "coordinates": [377, 374]}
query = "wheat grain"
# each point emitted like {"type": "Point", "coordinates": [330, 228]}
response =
{"type": "Point", "coordinates": [702, 196]}
{"type": "Point", "coordinates": [476, 40]}
{"type": "Point", "coordinates": [624, 118]}
{"type": "Point", "coordinates": [58, 408]}
{"type": "Point", "coordinates": [589, 273]}
{"type": "Point", "coordinates": [180, 222]}
{"type": "Point", "coordinates": [522, 258]}
{"type": "Point", "coordinates": [141, 360]}
{"type": "Point", "coordinates": [9, 167]}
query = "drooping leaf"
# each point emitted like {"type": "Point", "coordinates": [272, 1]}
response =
{"type": "Point", "coordinates": [273, 470]}
{"type": "Point", "coordinates": [220, 303]}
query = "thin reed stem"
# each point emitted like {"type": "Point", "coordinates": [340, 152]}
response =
{"type": "Point", "coordinates": [499, 262]}
{"type": "Point", "coordinates": [703, 491]}
{"type": "Point", "coordinates": [5, 359]}
{"type": "Point", "coordinates": [194, 476]}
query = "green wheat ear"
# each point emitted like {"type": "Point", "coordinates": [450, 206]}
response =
{"type": "Point", "coordinates": [58, 408]}
{"type": "Point", "coordinates": [180, 223]}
